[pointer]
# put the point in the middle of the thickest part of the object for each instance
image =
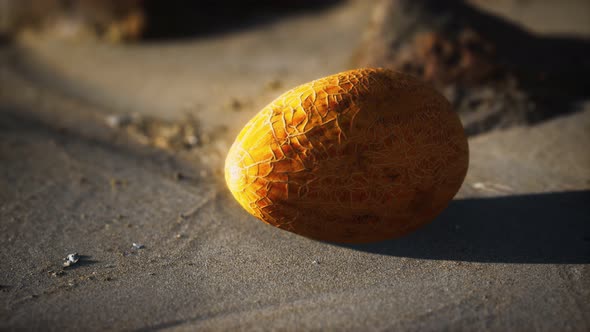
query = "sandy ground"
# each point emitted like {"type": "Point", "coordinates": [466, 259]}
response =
{"type": "Point", "coordinates": [512, 252]}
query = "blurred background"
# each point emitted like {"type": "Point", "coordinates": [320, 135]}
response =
{"type": "Point", "coordinates": [501, 63]}
{"type": "Point", "coordinates": [115, 118]}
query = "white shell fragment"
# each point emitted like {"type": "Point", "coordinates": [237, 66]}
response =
{"type": "Point", "coordinates": [71, 259]}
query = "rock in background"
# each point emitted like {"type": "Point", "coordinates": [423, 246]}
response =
{"type": "Point", "coordinates": [496, 72]}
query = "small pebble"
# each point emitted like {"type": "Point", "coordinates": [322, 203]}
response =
{"type": "Point", "coordinates": [115, 183]}
{"type": "Point", "coordinates": [479, 185]}
{"type": "Point", "coordinates": [236, 104]}
{"type": "Point", "coordinates": [120, 120]}
{"type": "Point", "coordinates": [192, 140]}
{"type": "Point", "coordinates": [57, 273]}
{"type": "Point", "coordinates": [274, 84]}
{"type": "Point", "coordinates": [138, 246]}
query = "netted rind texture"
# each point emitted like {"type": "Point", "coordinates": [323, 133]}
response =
{"type": "Point", "coordinates": [360, 156]}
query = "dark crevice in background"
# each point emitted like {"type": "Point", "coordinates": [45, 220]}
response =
{"type": "Point", "coordinates": [184, 19]}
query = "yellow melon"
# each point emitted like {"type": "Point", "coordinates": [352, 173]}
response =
{"type": "Point", "coordinates": [360, 156]}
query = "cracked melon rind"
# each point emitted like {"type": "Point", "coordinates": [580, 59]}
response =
{"type": "Point", "coordinates": [360, 156]}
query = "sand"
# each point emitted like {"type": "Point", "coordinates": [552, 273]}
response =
{"type": "Point", "coordinates": [512, 251]}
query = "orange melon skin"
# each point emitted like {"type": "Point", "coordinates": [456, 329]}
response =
{"type": "Point", "coordinates": [361, 156]}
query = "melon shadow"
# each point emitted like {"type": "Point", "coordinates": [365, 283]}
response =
{"type": "Point", "coordinates": [551, 228]}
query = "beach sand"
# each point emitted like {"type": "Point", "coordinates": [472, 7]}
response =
{"type": "Point", "coordinates": [80, 174]}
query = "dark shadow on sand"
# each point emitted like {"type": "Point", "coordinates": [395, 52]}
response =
{"type": "Point", "coordinates": [537, 228]}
